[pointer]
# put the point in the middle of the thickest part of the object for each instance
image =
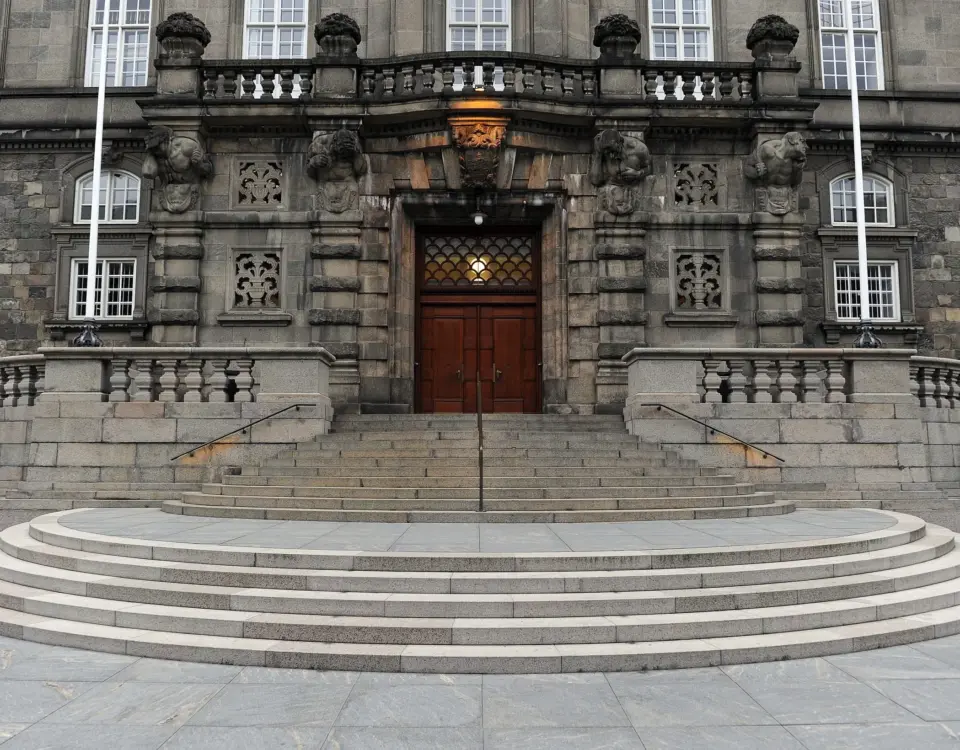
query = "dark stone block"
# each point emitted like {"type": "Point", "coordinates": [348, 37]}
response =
{"type": "Point", "coordinates": [334, 284]}
{"type": "Point", "coordinates": [38, 292]}
{"type": "Point", "coordinates": [174, 317]}
{"type": "Point", "coordinates": [334, 317]}
{"type": "Point", "coordinates": [780, 317]}
{"type": "Point", "coordinates": [178, 252]}
{"type": "Point", "coordinates": [620, 252]}
{"type": "Point", "coordinates": [335, 251]}
{"type": "Point", "coordinates": [341, 350]}
{"type": "Point", "coordinates": [622, 318]}
{"type": "Point", "coordinates": [622, 284]}
{"type": "Point", "coordinates": [175, 284]}
{"type": "Point", "coordinates": [613, 351]}
{"type": "Point", "coordinates": [782, 286]}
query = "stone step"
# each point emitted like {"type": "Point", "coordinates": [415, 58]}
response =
{"type": "Point", "coordinates": [471, 436]}
{"type": "Point", "coordinates": [385, 593]}
{"type": "Point", "coordinates": [489, 462]}
{"type": "Point", "coordinates": [607, 657]}
{"type": "Point", "coordinates": [45, 503]}
{"type": "Point", "coordinates": [765, 508]}
{"type": "Point", "coordinates": [904, 530]}
{"type": "Point", "coordinates": [461, 479]}
{"type": "Point", "coordinates": [515, 631]}
{"type": "Point", "coordinates": [472, 505]}
{"type": "Point", "coordinates": [443, 467]}
{"type": "Point", "coordinates": [610, 472]}
{"type": "Point", "coordinates": [499, 489]}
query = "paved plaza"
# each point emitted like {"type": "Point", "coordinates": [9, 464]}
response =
{"type": "Point", "coordinates": [901, 698]}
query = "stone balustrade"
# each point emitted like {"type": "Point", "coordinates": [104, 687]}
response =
{"type": "Point", "coordinates": [21, 379]}
{"type": "Point", "coordinates": [195, 374]}
{"type": "Point", "coordinates": [788, 376]}
{"type": "Point", "coordinates": [452, 74]}
{"type": "Point", "coordinates": [935, 381]}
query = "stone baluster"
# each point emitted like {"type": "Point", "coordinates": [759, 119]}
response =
{"type": "Point", "coordinates": [15, 387]}
{"type": "Point", "coordinates": [589, 83]}
{"type": "Point", "coordinates": [488, 70]}
{"type": "Point", "coordinates": [447, 69]}
{"type": "Point", "coordinates": [217, 382]}
{"type": "Point", "coordinates": [368, 82]}
{"type": "Point", "coordinates": [937, 374]}
{"type": "Point", "coordinates": [726, 85]}
{"type": "Point", "coordinates": [915, 382]}
{"type": "Point", "coordinates": [243, 377]}
{"type": "Point", "coordinates": [40, 379]}
{"type": "Point", "coordinates": [762, 382]}
{"type": "Point", "coordinates": [549, 74]}
{"type": "Point", "coordinates": [4, 380]}
{"type": "Point", "coordinates": [529, 78]}
{"type": "Point", "coordinates": [712, 382]}
{"type": "Point", "coordinates": [787, 382]}
{"type": "Point", "coordinates": [119, 380]}
{"type": "Point", "coordinates": [229, 84]}
{"type": "Point", "coordinates": [952, 394]}
{"type": "Point", "coordinates": [810, 391]}
{"type": "Point", "coordinates": [567, 80]}
{"type": "Point", "coordinates": [836, 382]}
{"type": "Point", "coordinates": [746, 86]}
{"type": "Point", "coordinates": [249, 84]}
{"type": "Point", "coordinates": [427, 77]}
{"type": "Point", "coordinates": [928, 386]}
{"type": "Point", "coordinates": [689, 79]}
{"type": "Point", "coordinates": [468, 75]}
{"type": "Point", "coordinates": [707, 84]}
{"type": "Point", "coordinates": [191, 379]}
{"type": "Point", "coordinates": [509, 79]}
{"type": "Point", "coordinates": [305, 82]}
{"type": "Point", "coordinates": [286, 83]}
{"type": "Point", "coordinates": [211, 81]}
{"type": "Point", "coordinates": [406, 76]}
{"type": "Point", "coordinates": [737, 381]}
{"type": "Point", "coordinates": [168, 380]}
{"type": "Point", "coordinates": [141, 373]}
{"type": "Point", "coordinates": [670, 85]}
{"type": "Point", "coordinates": [389, 82]}
{"type": "Point", "coordinates": [651, 82]}
{"type": "Point", "coordinates": [266, 82]}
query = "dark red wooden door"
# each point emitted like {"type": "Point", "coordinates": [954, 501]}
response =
{"type": "Point", "coordinates": [500, 339]}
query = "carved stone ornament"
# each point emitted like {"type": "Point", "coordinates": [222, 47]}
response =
{"type": "Point", "coordinates": [478, 140]}
{"type": "Point", "coordinates": [778, 168]}
{"type": "Point", "coordinates": [617, 35]}
{"type": "Point", "coordinates": [620, 162]}
{"type": "Point", "coordinates": [182, 37]}
{"type": "Point", "coordinates": [177, 164]}
{"type": "Point", "coordinates": [335, 159]}
{"type": "Point", "coordinates": [772, 38]}
{"type": "Point", "coordinates": [337, 35]}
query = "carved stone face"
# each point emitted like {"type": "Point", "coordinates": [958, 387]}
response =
{"type": "Point", "coordinates": [610, 142]}
{"type": "Point", "coordinates": [795, 149]}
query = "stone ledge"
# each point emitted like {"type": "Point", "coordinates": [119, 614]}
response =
{"type": "Point", "coordinates": [178, 252]}
{"type": "Point", "coordinates": [175, 284]}
{"type": "Point", "coordinates": [334, 317]}
{"type": "Point", "coordinates": [622, 318]}
{"type": "Point", "coordinates": [782, 286]}
{"type": "Point", "coordinates": [763, 252]}
{"type": "Point", "coordinates": [780, 318]}
{"type": "Point", "coordinates": [622, 284]}
{"type": "Point", "coordinates": [255, 318]}
{"type": "Point", "coordinates": [621, 252]}
{"type": "Point", "coordinates": [705, 320]}
{"type": "Point", "coordinates": [334, 284]}
{"type": "Point", "coordinates": [346, 252]}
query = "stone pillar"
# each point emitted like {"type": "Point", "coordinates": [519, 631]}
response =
{"type": "Point", "coordinates": [178, 163]}
{"type": "Point", "coordinates": [619, 167]}
{"type": "Point", "coordinates": [880, 376]}
{"type": "Point", "coordinates": [618, 37]}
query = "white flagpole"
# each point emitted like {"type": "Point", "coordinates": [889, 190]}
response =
{"type": "Point", "coordinates": [89, 312]}
{"type": "Point", "coordinates": [864, 334]}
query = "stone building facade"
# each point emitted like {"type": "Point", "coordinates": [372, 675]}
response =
{"type": "Point", "coordinates": [523, 191]}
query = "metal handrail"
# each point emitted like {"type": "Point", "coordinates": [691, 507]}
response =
{"type": "Point", "coordinates": [714, 430]}
{"type": "Point", "coordinates": [480, 434]}
{"type": "Point", "coordinates": [241, 430]}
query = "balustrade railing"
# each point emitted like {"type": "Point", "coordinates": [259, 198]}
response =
{"type": "Point", "coordinates": [935, 381]}
{"type": "Point", "coordinates": [215, 377]}
{"type": "Point", "coordinates": [466, 73]}
{"type": "Point", "coordinates": [21, 379]}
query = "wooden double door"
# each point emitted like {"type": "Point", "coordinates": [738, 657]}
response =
{"type": "Point", "coordinates": [497, 338]}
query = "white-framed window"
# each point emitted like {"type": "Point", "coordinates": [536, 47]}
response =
{"type": "Point", "coordinates": [478, 25]}
{"type": "Point", "coordinates": [681, 30]}
{"type": "Point", "coordinates": [117, 275]}
{"type": "Point", "coordinates": [883, 289]}
{"type": "Point", "coordinates": [119, 198]}
{"type": "Point", "coordinates": [275, 29]}
{"type": "Point", "coordinates": [127, 23]}
{"type": "Point", "coordinates": [868, 47]}
{"type": "Point", "coordinates": [877, 201]}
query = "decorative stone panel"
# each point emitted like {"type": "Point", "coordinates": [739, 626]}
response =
{"type": "Point", "coordinates": [699, 282]}
{"type": "Point", "coordinates": [255, 288]}
{"type": "Point", "coordinates": [259, 184]}
{"type": "Point", "coordinates": [697, 185]}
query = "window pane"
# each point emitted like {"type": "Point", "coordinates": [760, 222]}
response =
{"type": "Point", "coordinates": [695, 12]}
{"type": "Point", "coordinates": [864, 14]}
{"type": "Point", "coordinates": [665, 45]}
{"type": "Point", "coordinates": [292, 11]}
{"type": "Point", "coordinates": [881, 291]}
{"type": "Point", "coordinates": [665, 11]}
{"type": "Point", "coordinates": [261, 11]}
{"type": "Point", "coordinates": [494, 39]}
{"type": "Point", "coordinates": [834, 61]}
{"type": "Point", "coordinates": [465, 11]}
{"type": "Point", "coordinates": [695, 45]}
{"type": "Point", "coordinates": [259, 43]}
{"type": "Point", "coordinates": [493, 11]}
{"type": "Point", "coordinates": [463, 39]}
{"type": "Point", "coordinates": [831, 14]}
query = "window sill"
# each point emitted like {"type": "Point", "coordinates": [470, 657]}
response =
{"type": "Point", "coordinates": [836, 330]}
{"type": "Point", "coordinates": [255, 318]}
{"type": "Point", "coordinates": [60, 329]}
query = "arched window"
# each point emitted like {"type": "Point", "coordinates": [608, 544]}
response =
{"type": "Point", "coordinates": [877, 201]}
{"type": "Point", "coordinates": [119, 198]}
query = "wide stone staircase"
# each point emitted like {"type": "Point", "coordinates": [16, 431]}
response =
{"type": "Point", "coordinates": [538, 468]}
{"type": "Point", "coordinates": [232, 577]}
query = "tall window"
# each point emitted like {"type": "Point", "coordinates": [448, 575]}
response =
{"type": "Point", "coordinates": [883, 293]}
{"type": "Point", "coordinates": [275, 29]}
{"type": "Point", "coordinates": [127, 23]}
{"type": "Point", "coordinates": [117, 276]}
{"type": "Point", "coordinates": [877, 201]}
{"type": "Point", "coordinates": [681, 30]}
{"type": "Point", "coordinates": [119, 198]}
{"type": "Point", "coordinates": [478, 25]}
{"type": "Point", "coordinates": [868, 51]}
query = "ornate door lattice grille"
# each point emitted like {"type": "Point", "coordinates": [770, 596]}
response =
{"type": "Point", "coordinates": [491, 263]}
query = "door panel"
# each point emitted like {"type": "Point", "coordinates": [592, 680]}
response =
{"type": "Point", "coordinates": [500, 339]}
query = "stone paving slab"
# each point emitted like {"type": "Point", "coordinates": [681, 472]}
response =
{"type": "Point", "coordinates": [153, 525]}
{"type": "Point", "coordinates": [892, 699]}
